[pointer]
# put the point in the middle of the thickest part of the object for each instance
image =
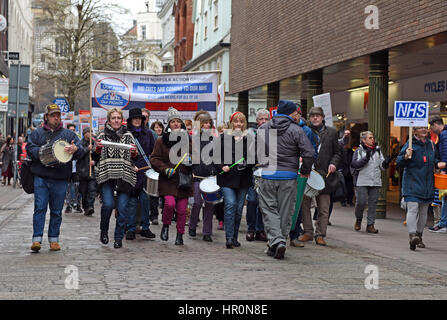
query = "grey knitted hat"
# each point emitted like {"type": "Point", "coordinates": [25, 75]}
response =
{"type": "Point", "coordinates": [173, 114]}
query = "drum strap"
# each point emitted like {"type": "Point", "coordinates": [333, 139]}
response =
{"type": "Point", "coordinates": [142, 152]}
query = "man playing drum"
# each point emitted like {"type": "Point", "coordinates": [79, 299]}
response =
{"type": "Point", "coordinates": [50, 182]}
{"type": "Point", "coordinates": [278, 186]}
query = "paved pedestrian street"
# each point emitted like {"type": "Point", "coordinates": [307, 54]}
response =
{"type": "Point", "coordinates": [152, 269]}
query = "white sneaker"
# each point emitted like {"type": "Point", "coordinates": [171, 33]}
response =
{"type": "Point", "coordinates": [437, 229]}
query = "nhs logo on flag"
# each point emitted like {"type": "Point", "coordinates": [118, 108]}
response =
{"type": "Point", "coordinates": [410, 113]}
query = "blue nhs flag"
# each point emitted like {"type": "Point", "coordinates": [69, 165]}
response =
{"type": "Point", "coordinates": [410, 113]}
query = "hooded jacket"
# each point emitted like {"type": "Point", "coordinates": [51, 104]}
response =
{"type": "Point", "coordinates": [418, 179]}
{"type": "Point", "coordinates": [292, 143]}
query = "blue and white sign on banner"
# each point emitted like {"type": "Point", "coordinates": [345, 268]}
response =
{"type": "Point", "coordinates": [63, 104]}
{"type": "Point", "coordinates": [187, 92]}
{"type": "Point", "coordinates": [410, 113]}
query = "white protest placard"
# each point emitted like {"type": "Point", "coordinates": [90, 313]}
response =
{"type": "Point", "coordinates": [324, 101]}
{"type": "Point", "coordinates": [410, 113]}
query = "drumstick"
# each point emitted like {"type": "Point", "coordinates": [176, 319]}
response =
{"type": "Point", "coordinates": [181, 160]}
{"type": "Point", "coordinates": [328, 174]}
{"type": "Point", "coordinates": [237, 162]}
{"type": "Point", "coordinates": [199, 177]}
{"type": "Point", "coordinates": [144, 168]}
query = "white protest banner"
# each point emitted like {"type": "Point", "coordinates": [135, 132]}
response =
{"type": "Point", "coordinates": [324, 101]}
{"type": "Point", "coordinates": [4, 88]}
{"type": "Point", "coordinates": [220, 105]}
{"type": "Point", "coordinates": [410, 113]}
{"type": "Point", "coordinates": [187, 92]}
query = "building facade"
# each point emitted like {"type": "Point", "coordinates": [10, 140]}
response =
{"type": "Point", "coordinates": [366, 56]}
{"type": "Point", "coordinates": [184, 33]}
{"type": "Point", "coordinates": [166, 53]}
{"type": "Point", "coordinates": [145, 38]}
{"type": "Point", "coordinates": [19, 39]}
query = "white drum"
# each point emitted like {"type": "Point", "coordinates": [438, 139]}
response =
{"type": "Point", "coordinates": [315, 183]}
{"type": "Point", "coordinates": [152, 182]}
{"type": "Point", "coordinates": [210, 190]}
{"type": "Point", "coordinates": [52, 155]}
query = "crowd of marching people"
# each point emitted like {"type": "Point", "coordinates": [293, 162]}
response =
{"type": "Point", "coordinates": [224, 169]}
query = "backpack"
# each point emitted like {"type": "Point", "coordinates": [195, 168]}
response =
{"type": "Point", "coordinates": [26, 176]}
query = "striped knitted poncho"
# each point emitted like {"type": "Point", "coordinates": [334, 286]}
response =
{"type": "Point", "coordinates": [116, 164]}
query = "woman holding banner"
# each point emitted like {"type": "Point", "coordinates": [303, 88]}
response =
{"type": "Point", "coordinates": [172, 175]}
{"type": "Point", "coordinates": [235, 177]}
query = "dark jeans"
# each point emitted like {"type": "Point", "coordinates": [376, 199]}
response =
{"type": "Point", "coordinates": [87, 189]}
{"type": "Point", "coordinates": [254, 215]}
{"type": "Point", "coordinates": [48, 192]}
{"type": "Point", "coordinates": [108, 204]}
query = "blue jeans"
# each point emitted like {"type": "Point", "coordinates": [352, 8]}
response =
{"type": "Point", "coordinates": [295, 233]}
{"type": "Point", "coordinates": [443, 221]}
{"type": "Point", "coordinates": [48, 192]}
{"type": "Point", "coordinates": [108, 204]}
{"type": "Point", "coordinates": [132, 212]}
{"type": "Point", "coordinates": [234, 200]}
{"type": "Point", "coordinates": [254, 216]}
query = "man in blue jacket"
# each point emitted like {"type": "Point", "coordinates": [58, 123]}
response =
{"type": "Point", "coordinates": [50, 182]}
{"type": "Point", "coordinates": [437, 126]}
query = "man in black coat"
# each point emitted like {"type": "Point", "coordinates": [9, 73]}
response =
{"type": "Point", "coordinates": [326, 164]}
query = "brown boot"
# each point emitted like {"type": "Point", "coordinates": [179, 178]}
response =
{"type": "Point", "coordinates": [371, 229]}
{"type": "Point", "coordinates": [320, 241]}
{"type": "Point", "coordinates": [414, 241]}
{"type": "Point", "coordinates": [420, 244]}
{"type": "Point", "coordinates": [305, 238]}
{"type": "Point", "coordinates": [296, 243]}
{"type": "Point", "coordinates": [358, 224]}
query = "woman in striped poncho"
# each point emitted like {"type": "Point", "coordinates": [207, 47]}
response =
{"type": "Point", "coordinates": [114, 172]}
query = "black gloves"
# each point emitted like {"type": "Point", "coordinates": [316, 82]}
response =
{"type": "Point", "coordinates": [368, 153]}
{"type": "Point", "coordinates": [386, 162]}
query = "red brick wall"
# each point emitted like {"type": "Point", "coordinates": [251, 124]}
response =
{"type": "Point", "coordinates": [184, 33]}
{"type": "Point", "coordinates": [274, 39]}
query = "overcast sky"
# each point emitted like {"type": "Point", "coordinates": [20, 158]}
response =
{"type": "Point", "coordinates": [124, 22]}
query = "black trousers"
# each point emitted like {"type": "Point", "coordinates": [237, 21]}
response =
{"type": "Point", "coordinates": [87, 189]}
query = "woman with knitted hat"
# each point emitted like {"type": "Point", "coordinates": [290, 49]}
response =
{"type": "Point", "coordinates": [235, 180]}
{"type": "Point", "coordinates": [202, 124]}
{"type": "Point", "coordinates": [176, 196]}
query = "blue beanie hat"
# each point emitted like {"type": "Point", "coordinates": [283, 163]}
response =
{"type": "Point", "coordinates": [286, 107]}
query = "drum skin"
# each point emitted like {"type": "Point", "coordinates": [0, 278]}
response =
{"type": "Point", "coordinates": [210, 190]}
{"type": "Point", "coordinates": [52, 155]}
